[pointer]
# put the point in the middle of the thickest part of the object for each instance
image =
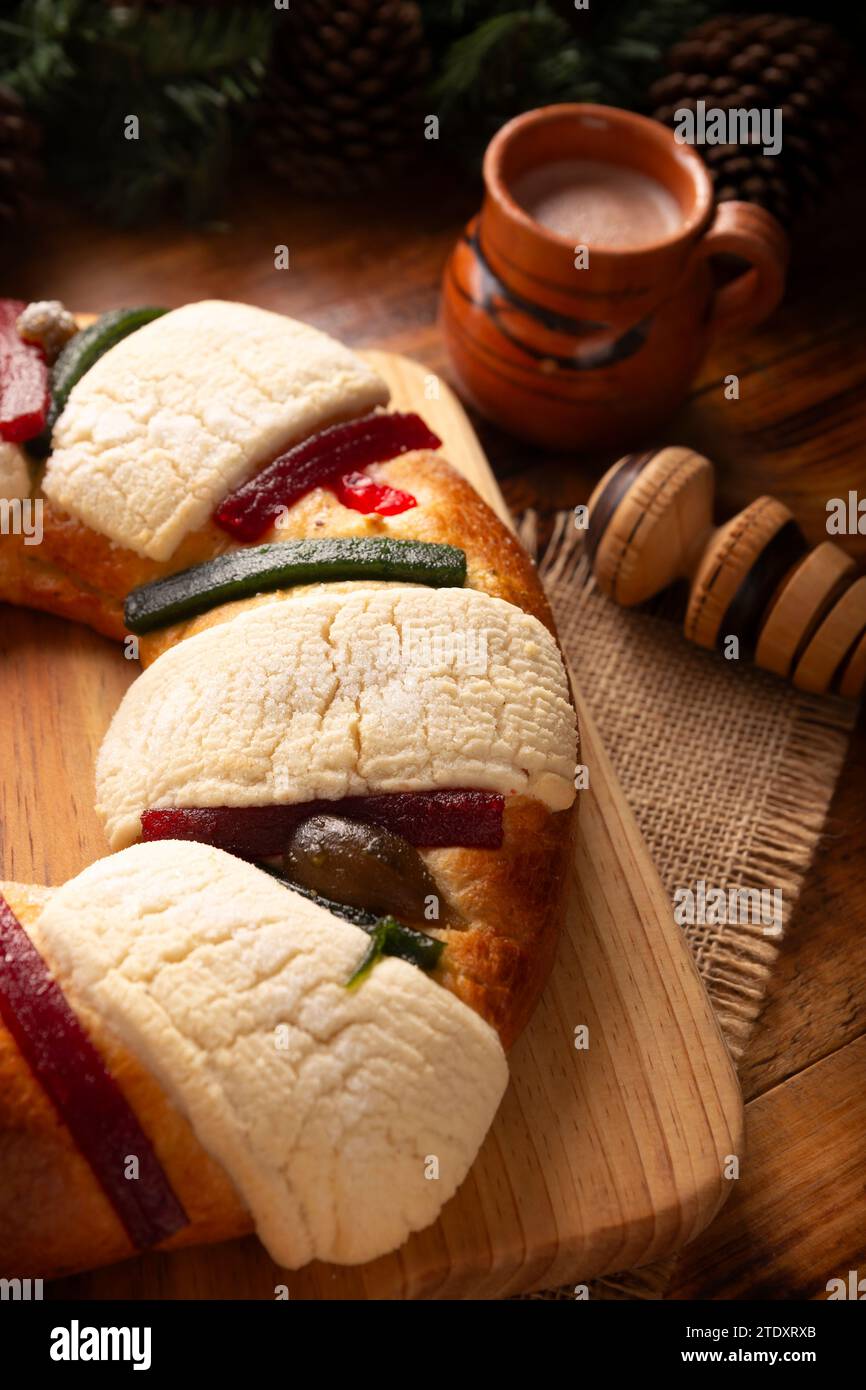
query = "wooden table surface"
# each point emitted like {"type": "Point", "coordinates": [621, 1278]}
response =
{"type": "Point", "coordinates": [369, 274]}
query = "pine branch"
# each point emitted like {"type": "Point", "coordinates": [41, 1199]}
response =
{"type": "Point", "coordinates": [504, 62]}
{"type": "Point", "coordinates": [534, 54]}
{"type": "Point", "coordinates": [470, 56]}
{"type": "Point", "coordinates": [191, 78]}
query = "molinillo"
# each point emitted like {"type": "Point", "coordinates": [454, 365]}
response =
{"type": "Point", "coordinates": [340, 799]}
{"type": "Point", "coordinates": [797, 611]}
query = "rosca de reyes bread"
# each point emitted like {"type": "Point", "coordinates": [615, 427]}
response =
{"type": "Point", "coordinates": [314, 703]}
{"type": "Point", "coordinates": [160, 429]}
{"type": "Point", "coordinates": [354, 721]}
{"type": "Point", "coordinates": [182, 1060]}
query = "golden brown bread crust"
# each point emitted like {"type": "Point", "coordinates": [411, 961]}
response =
{"type": "Point", "coordinates": [512, 901]}
{"type": "Point", "coordinates": [54, 1216]}
{"type": "Point", "coordinates": [27, 580]}
{"type": "Point", "coordinates": [96, 575]}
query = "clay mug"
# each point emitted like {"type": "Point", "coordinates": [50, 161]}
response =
{"type": "Point", "coordinates": [595, 351]}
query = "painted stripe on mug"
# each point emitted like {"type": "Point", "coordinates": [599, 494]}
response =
{"type": "Point", "coordinates": [633, 292]}
{"type": "Point", "coordinates": [527, 377]}
{"type": "Point", "coordinates": [548, 317]}
{"type": "Point", "coordinates": [622, 348]}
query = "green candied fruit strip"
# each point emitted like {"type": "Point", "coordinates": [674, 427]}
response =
{"type": "Point", "coordinates": [242, 573]}
{"type": "Point", "coordinates": [388, 937]}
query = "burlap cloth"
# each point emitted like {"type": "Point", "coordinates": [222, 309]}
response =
{"type": "Point", "coordinates": [732, 786]}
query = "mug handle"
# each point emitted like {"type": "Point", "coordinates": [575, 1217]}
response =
{"type": "Point", "coordinates": [746, 230]}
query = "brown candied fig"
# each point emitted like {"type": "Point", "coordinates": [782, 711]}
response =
{"type": "Point", "coordinates": [365, 866]}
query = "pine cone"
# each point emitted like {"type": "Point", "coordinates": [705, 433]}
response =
{"type": "Point", "coordinates": [771, 61]}
{"type": "Point", "coordinates": [20, 169]}
{"type": "Point", "coordinates": [343, 109]}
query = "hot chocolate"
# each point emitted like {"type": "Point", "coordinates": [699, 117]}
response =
{"type": "Point", "coordinates": [591, 353]}
{"type": "Point", "coordinates": [598, 204]}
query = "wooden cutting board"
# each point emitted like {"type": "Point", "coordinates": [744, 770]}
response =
{"type": "Point", "coordinates": [601, 1157]}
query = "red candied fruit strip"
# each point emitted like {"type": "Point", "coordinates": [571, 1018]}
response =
{"type": "Point", "coordinates": [362, 494]}
{"type": "Point", "coordinates": [252, 508]}
{"type": "Point", "coordinates": [24, 395]}
{"type": "Point", "coordinates": [470, 819]}
{"type": "Point", "coordinates": [87, 1098]}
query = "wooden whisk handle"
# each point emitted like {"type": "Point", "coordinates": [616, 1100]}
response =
{"type": "Point", "coordinates": [756, 588]}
